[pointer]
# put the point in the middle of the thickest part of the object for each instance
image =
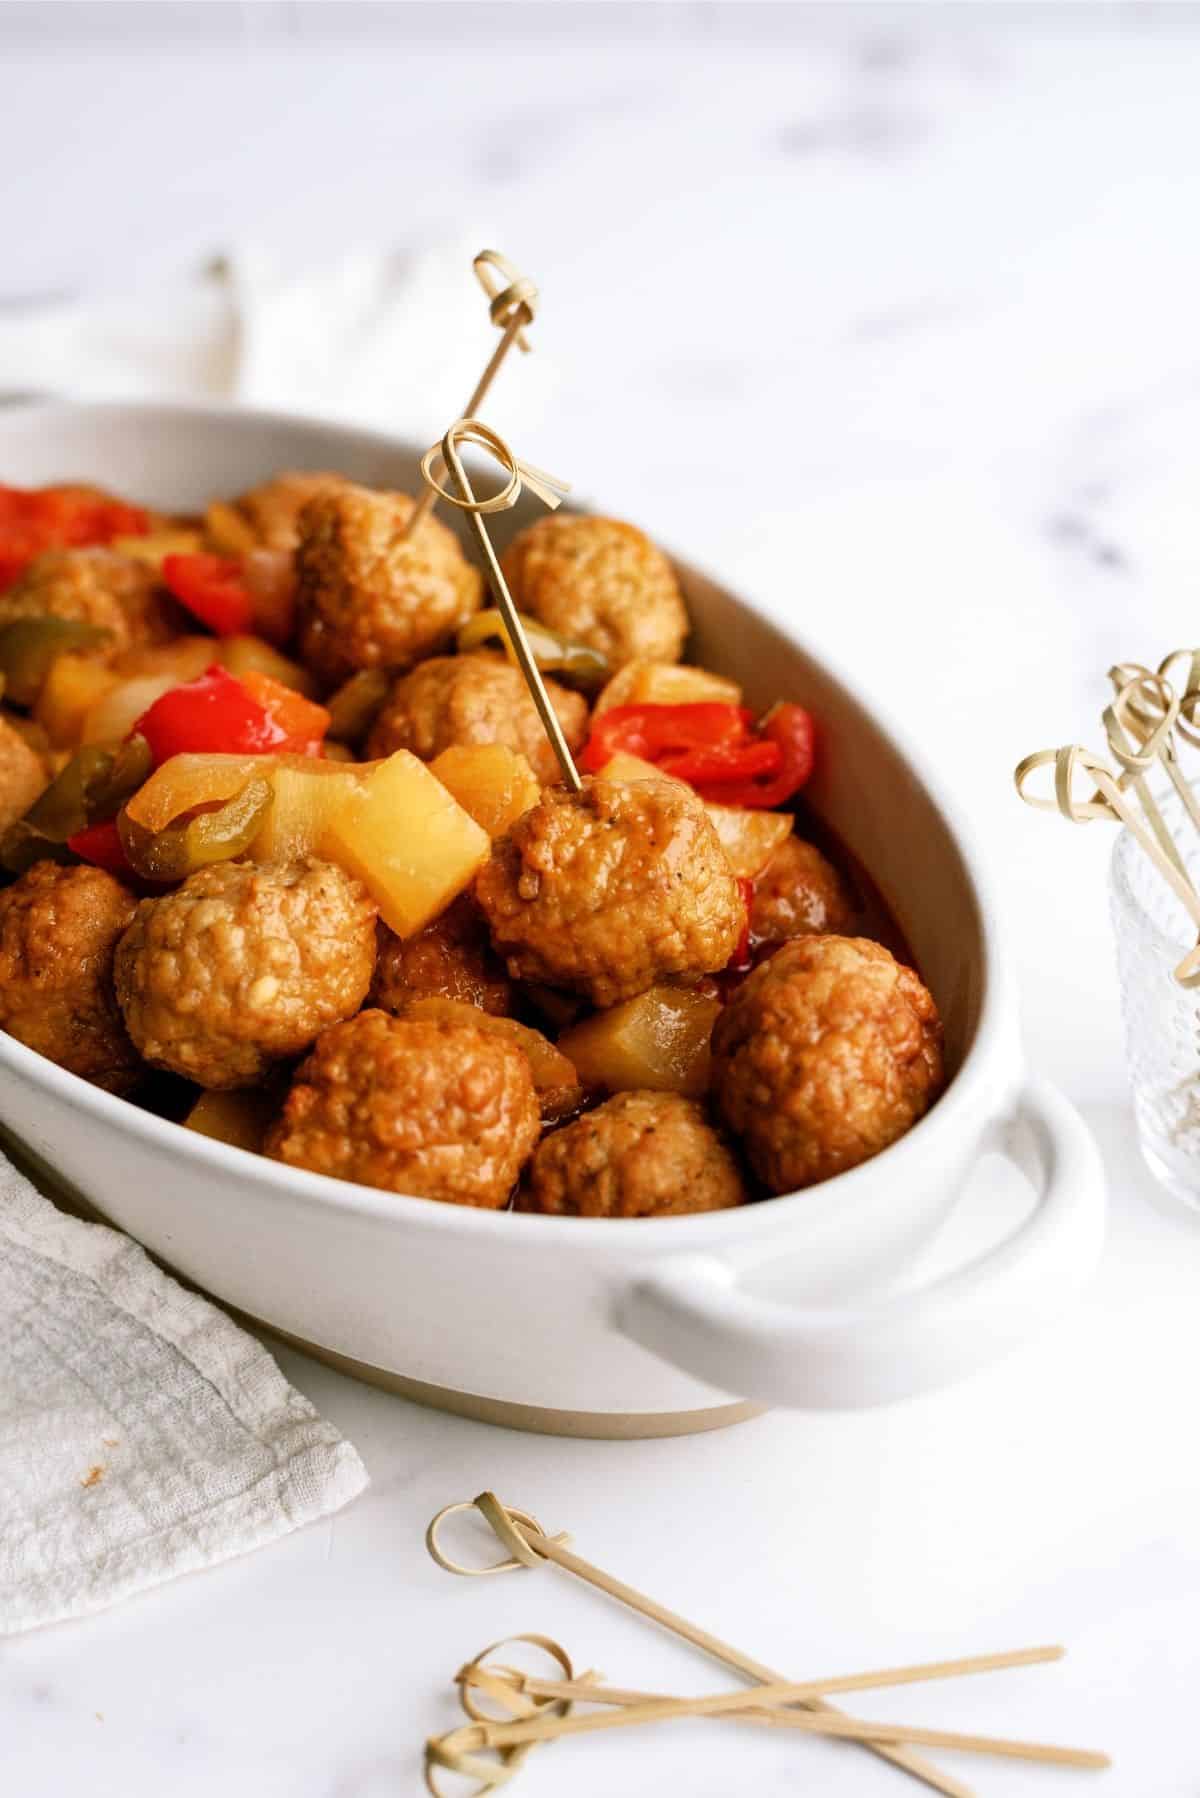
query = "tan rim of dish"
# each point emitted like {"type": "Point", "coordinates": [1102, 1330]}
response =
{"type": "Point", "coordinates": [542, 1420]}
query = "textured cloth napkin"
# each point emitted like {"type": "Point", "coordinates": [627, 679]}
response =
{"type": "Point", "coordinates": [142, 1434]}
{"type": "Point", "coordinates": [393, 339]}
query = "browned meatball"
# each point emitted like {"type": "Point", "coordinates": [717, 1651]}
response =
{"type": "Point", "coordinates": [828, 1053]}
{"type": "Point", "coordinates": [474, 699]}
{"type": "Point", "coordinates": [93, 586]}
{"type": "Point", "coordinates": [441, 1111]}
{"type": "Point", "coordinates": [452, 958]}
{"type": "Point", "coordinates": [799, 893]}
{"type": "Point", "coordinates": [272, 510]}
{"type": "Point", "coordinates": [367, 596]}
{"type": "Point", "coordinates": [58, 930]}
{"type": "Point", "coordinates": [638, 1155]}
{"type": "Point", "coordinates": [608, 890]}
{"type": "Point", "coordinates": [243, 965]}
{"type": "Point", "coordinates": [599, 582]}
{"type": "Point", "coordinates": [22, 775]}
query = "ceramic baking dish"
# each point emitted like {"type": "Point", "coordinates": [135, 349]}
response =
{"type": "Point", "coordinates": [635, 1327]}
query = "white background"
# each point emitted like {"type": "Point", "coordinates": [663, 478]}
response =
{"type": "Point", "coordinates": [892, 315]}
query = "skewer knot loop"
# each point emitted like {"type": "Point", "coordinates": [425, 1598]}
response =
{"type": "Point", "coordinates": [1145, 709]}
{"type": "Point", "coordinates": [445, 456]}
{"type": "Point", "coordinates": [508, 1525]}
{"type": "Point", "coordinates": [515, 297]}
{"type": "Point", "coordinates": [1067, 762]}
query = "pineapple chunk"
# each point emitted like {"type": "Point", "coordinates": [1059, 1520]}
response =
{"type": "Point", "coordinates": [494, 784]}
{"type": "Point", "coordinates": [408, 840]}
{"type": "Point", "coordinates": [749, 838]}
{"type": "Point", "coordinates": [183, 657]}
{"type": "Point", "coordinates": [308, 792]}
{"type": "Point", "coordinates": [155, 546]}
{"type": "Point", "coordinates": [666, 683]}
{"type": "Point", "coordinates": [241, 1118]}
{"type": "Point", "coordinates": [658, 1042]}
{"type": "Point", "coordinates": [74, 684]}
{"type": "Point", "coordinates": [227, 531]}
{"type": "Point", "coordinates": [254, 655]}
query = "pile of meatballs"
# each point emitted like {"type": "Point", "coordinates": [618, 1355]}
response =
{"type": "Point", "coordinates": [281, 977]}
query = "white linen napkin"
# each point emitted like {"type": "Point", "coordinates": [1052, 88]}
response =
{"type": "Point", "coordinates": [393, 339]}
{"type": "Point", "coordinates": [142, 1434]}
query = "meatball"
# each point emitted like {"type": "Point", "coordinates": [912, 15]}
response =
{"type": "Point", "coordinates": [828, 1053]}
{"type": "Point", "coordinates": [474, 699]}
{"type": "Point", "coordinates": [93, 586]}
{"type": "Point", "coordinates": [451, 958]}
{"type": "Point", "coordinates": [438, 1110]}
{"type": "Point", "coordinates": [243, 965]}
{"type": "Point", "coordinates": [22, 775]}
{"type": "Point", "coordinates": [367, 596]}
{"type": "Point", "coordinates": [602, 583]}
{"type": "Point", "coordinates": [273, 509]}
{"type": "Point", "coordinates": [59, 928]}
{"type": "Point", "coordinates": [608, 890]}
{"type": "Point", "coordinates": [799, 893]}
{"type": "Point", "coordinates": [639, 1155]}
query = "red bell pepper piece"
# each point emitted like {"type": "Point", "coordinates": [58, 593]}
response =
{"type": "Point", "coordinates": [101, 845]}
{"type": "Point", "coordinates": [218, 714]}
{"type": "Point", "coordinates": [302, 720]}
{"type": "Point", "coordinates": [713, 747]}
{"type": "Point", "coordinates": [790, 729]}
{"type": "Point", "coordinates": [212, 713]}
{"type": "Point", "coordinates": [654, 732]}
{"type": "Point", "coordinates": [212, 589]}
{"type": "Point", "coordinates": [36, 519]}
{"type": "Point", "coordinates": [704, 767]}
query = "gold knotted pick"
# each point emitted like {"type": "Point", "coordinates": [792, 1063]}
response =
{"type": "Point", "coordinates": [445, 456]}
{"type": "Point", "coordinates": [1182, 669]}
{"type": "Point", "coordinates": [512, 304]}
{"type": "Point", "coordinates": [1138, 725]}
{"type": "Point", "coordinates": [1104, 796]}
{"type": "Point", "coordinates": [458, 1751]}
{"type": "Point", "coordinates": [528, 1545]}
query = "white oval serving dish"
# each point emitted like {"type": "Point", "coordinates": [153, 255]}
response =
{"type": "Point", "coordinates": [636, 1327]}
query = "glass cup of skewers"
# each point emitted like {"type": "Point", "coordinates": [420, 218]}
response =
{"type": "Point", "coordinates": [1155, 934]}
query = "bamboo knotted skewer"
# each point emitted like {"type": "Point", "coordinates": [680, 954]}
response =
{"type": "Point", "coordinates": [533, 1709]}
{"type": "Point", "coordinates": [528, 1545]}
{"type": "Point", "coordinates": [1148, 703]}
{"type": "Point", "coordinates": [516, 1690]}
{"type": "Point", "coordinates": [512, 305]}
{"type": "Point", "coordinates": [1139, 724]}
{"type": "Point", "coordinates": [742, 1707]}
{"type": "Point", "coordinates": [446, 456]}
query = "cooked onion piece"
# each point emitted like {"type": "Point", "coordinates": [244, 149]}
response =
{"type": "Point", "coordinates": [215, 835]}
{"type": "Point", "coordinates": [666, 683]}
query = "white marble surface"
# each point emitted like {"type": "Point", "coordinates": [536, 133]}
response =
{"type": "Point", "coordinates": [896, 321]}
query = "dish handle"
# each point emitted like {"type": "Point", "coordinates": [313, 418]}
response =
{"type": "Point", "coordinates": [691, 1310]}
